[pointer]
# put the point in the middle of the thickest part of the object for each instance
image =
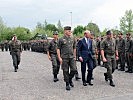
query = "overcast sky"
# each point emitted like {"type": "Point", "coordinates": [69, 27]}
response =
{"type": "Point", "coordinates": [26, 13]}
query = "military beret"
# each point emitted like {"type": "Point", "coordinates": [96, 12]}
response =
{"type": "Point", "coordinates": [109, 32]}
{"type": "Point", "coordinates": [55, 33]}
{"type": "Point", "coordinates": [67, 28]}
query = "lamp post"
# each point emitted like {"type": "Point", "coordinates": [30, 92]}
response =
{"type": "Point", "coordinates": [71, 18]}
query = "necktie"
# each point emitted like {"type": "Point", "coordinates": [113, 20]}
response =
{"type": "Point", "coordinates": [88, 43]}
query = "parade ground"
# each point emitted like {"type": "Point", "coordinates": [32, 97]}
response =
{"type": "Point", "coordinates": [34, 81]}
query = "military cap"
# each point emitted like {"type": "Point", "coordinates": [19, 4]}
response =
{"type": "Point", "coordinates": [128, 34]}
{"type": "Point", "coordinates": [120, 33]}
{"type": "Point", "coordinates": [109, 32]}
{"type": "Point", "coordinates": [67, 28]}
{"type": "Point", "coordinates": [55, 33]}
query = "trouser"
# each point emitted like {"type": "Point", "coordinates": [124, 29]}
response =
{"type": "Point", "coordinates": [76, 72]}
{"type": "Point", "coordinates": [122, 60]}
{"type": "Point", "coordinates": [68, 64]}
{"type": "Point", "coordinates": [128, 60]}
{"type": "Point", "coordinates": [55, 64]}
{"type": "Point", "coordinates": [110, 65]}
{"type": "Point", "coordinates": [89, 63]}
{"type": "Point", "coordinates": [99, 58]}
{"type": "Point", "coordinates": [16, 59]}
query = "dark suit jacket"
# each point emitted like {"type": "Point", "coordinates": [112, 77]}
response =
{"type": "Point", "coordinates": [83, 50]}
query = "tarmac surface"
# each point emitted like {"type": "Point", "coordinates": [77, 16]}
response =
{"type": "Point", "coordinates": [34, 81]}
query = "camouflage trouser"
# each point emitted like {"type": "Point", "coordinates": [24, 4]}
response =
{"type": "Point", "coordinates": [110, 65]}
{"type": "Point", "coordinates": [68, 63]}
{"type": "Point", "coordinates": [122, 60]}
{"type": "Point", "coordinates": [15, 58]}
{"type": "Point", "coordinates": [55, 64]}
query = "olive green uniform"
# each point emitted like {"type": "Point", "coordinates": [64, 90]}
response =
{"type": "Point", "coordinates": [128, 47]}
{"type": "Point", "coordinates": [15, 50]}
{"type": "Point", "coordinates": [121, 53]}
{"type": "Point", "coordinates": [109, 47]}
{"type": "Point", "coordinates": [54, 58]}
{"type": "Point", "coordinates": [66, 46]}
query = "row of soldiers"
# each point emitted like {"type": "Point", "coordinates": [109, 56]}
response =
{"type": "Point", "coordinates": [4, 45]}
{"type": "Point", "coordinates": [125, 51]}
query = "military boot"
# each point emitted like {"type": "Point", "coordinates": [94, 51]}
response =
{"type": "Point", "coordinates": [55, 78]}
{"type": "Point", "coordinates": [106, 77]}
{"type": "Point", "coordinates": [67, 86]}
{"type": "Point", "coordinates": [71, 83]}
{"type": "Point", "coordinates": [112, 83]}
{"type": "Point", "coordinates": [15, 69]}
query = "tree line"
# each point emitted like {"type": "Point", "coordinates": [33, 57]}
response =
{"type": "Point", "coordinates": [126, 25]}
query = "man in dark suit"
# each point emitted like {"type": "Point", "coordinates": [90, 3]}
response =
{"type": "Point", "coordinates": [85, 53]}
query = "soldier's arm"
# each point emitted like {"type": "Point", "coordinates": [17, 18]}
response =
{"type": "Point", "coordinates": [102, 51]}
{"type": "Point", "coordinates": [58, 51]}
{"type": "Point", "coordinates": [49, 57]}
{"type": "Point", "coordinates": [74, 48]}
{"type": "Point", "coordinates": [48, 53]}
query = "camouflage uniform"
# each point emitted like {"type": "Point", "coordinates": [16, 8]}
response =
{"type": "Point", "coordinates": [109, 47]}
{"type": "Point", "coordinates": [15, 51]}
{"type": "Point", "coordinates": [66, 45]}
{"type": "Point", "coordinates": [54, 58]}
{"type": "Point", "coordinates": [109, 51]}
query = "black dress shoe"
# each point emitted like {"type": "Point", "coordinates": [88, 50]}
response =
{"type": "Point", "coordinates": [15, 70]}
{"type": "Point", "coordinates": [127, 71]}
{"type": "Point", "coordinates": [68, 88]}
{"type": "Point", "coordinates": [91, 84]}
{"type": "Point", "coordinates": [56, 79]}
{"type": "Point", "coordinates": [84, 84]}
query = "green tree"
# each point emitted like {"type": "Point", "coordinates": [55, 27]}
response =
{"type": "Point", "coordinates": [22, 33]}
{"type": "Point", "coordinates": [93, 27]}
{"type": "Point", "coordinates": [78, 31]}
{"type": "Point", "coordinates": [59, 27]}
{"type": "Point", "coordinates": [51, 27]}
{"type": "Point", "coordinates": [126, 22]}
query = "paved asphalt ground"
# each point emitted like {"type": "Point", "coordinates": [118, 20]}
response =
{"type": "Point", "coordinates": [34, 81]}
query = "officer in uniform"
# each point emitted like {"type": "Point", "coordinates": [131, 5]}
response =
{"type": "Point", "coordinates": [109, 53]}
{"type": "Point", "coordinates": [52, 55]}
{"type": "Point", "coordinates": [121, 51]}
{"type": "Point", "coordinates": [128, 45]}
{"type": "Point", "coordinates": [15, 51]}
{"type": "Point", "coordinates": [67, 55]}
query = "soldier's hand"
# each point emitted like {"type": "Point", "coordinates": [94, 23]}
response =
{"type": "Point", "coordinates": [60, 59]}
{"type": "Point", "coordinates": [104, 59]}
{"type": "Point", "coordinates": [49, 58]}
{"type": "Point", "coordinates": [117, 57]}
